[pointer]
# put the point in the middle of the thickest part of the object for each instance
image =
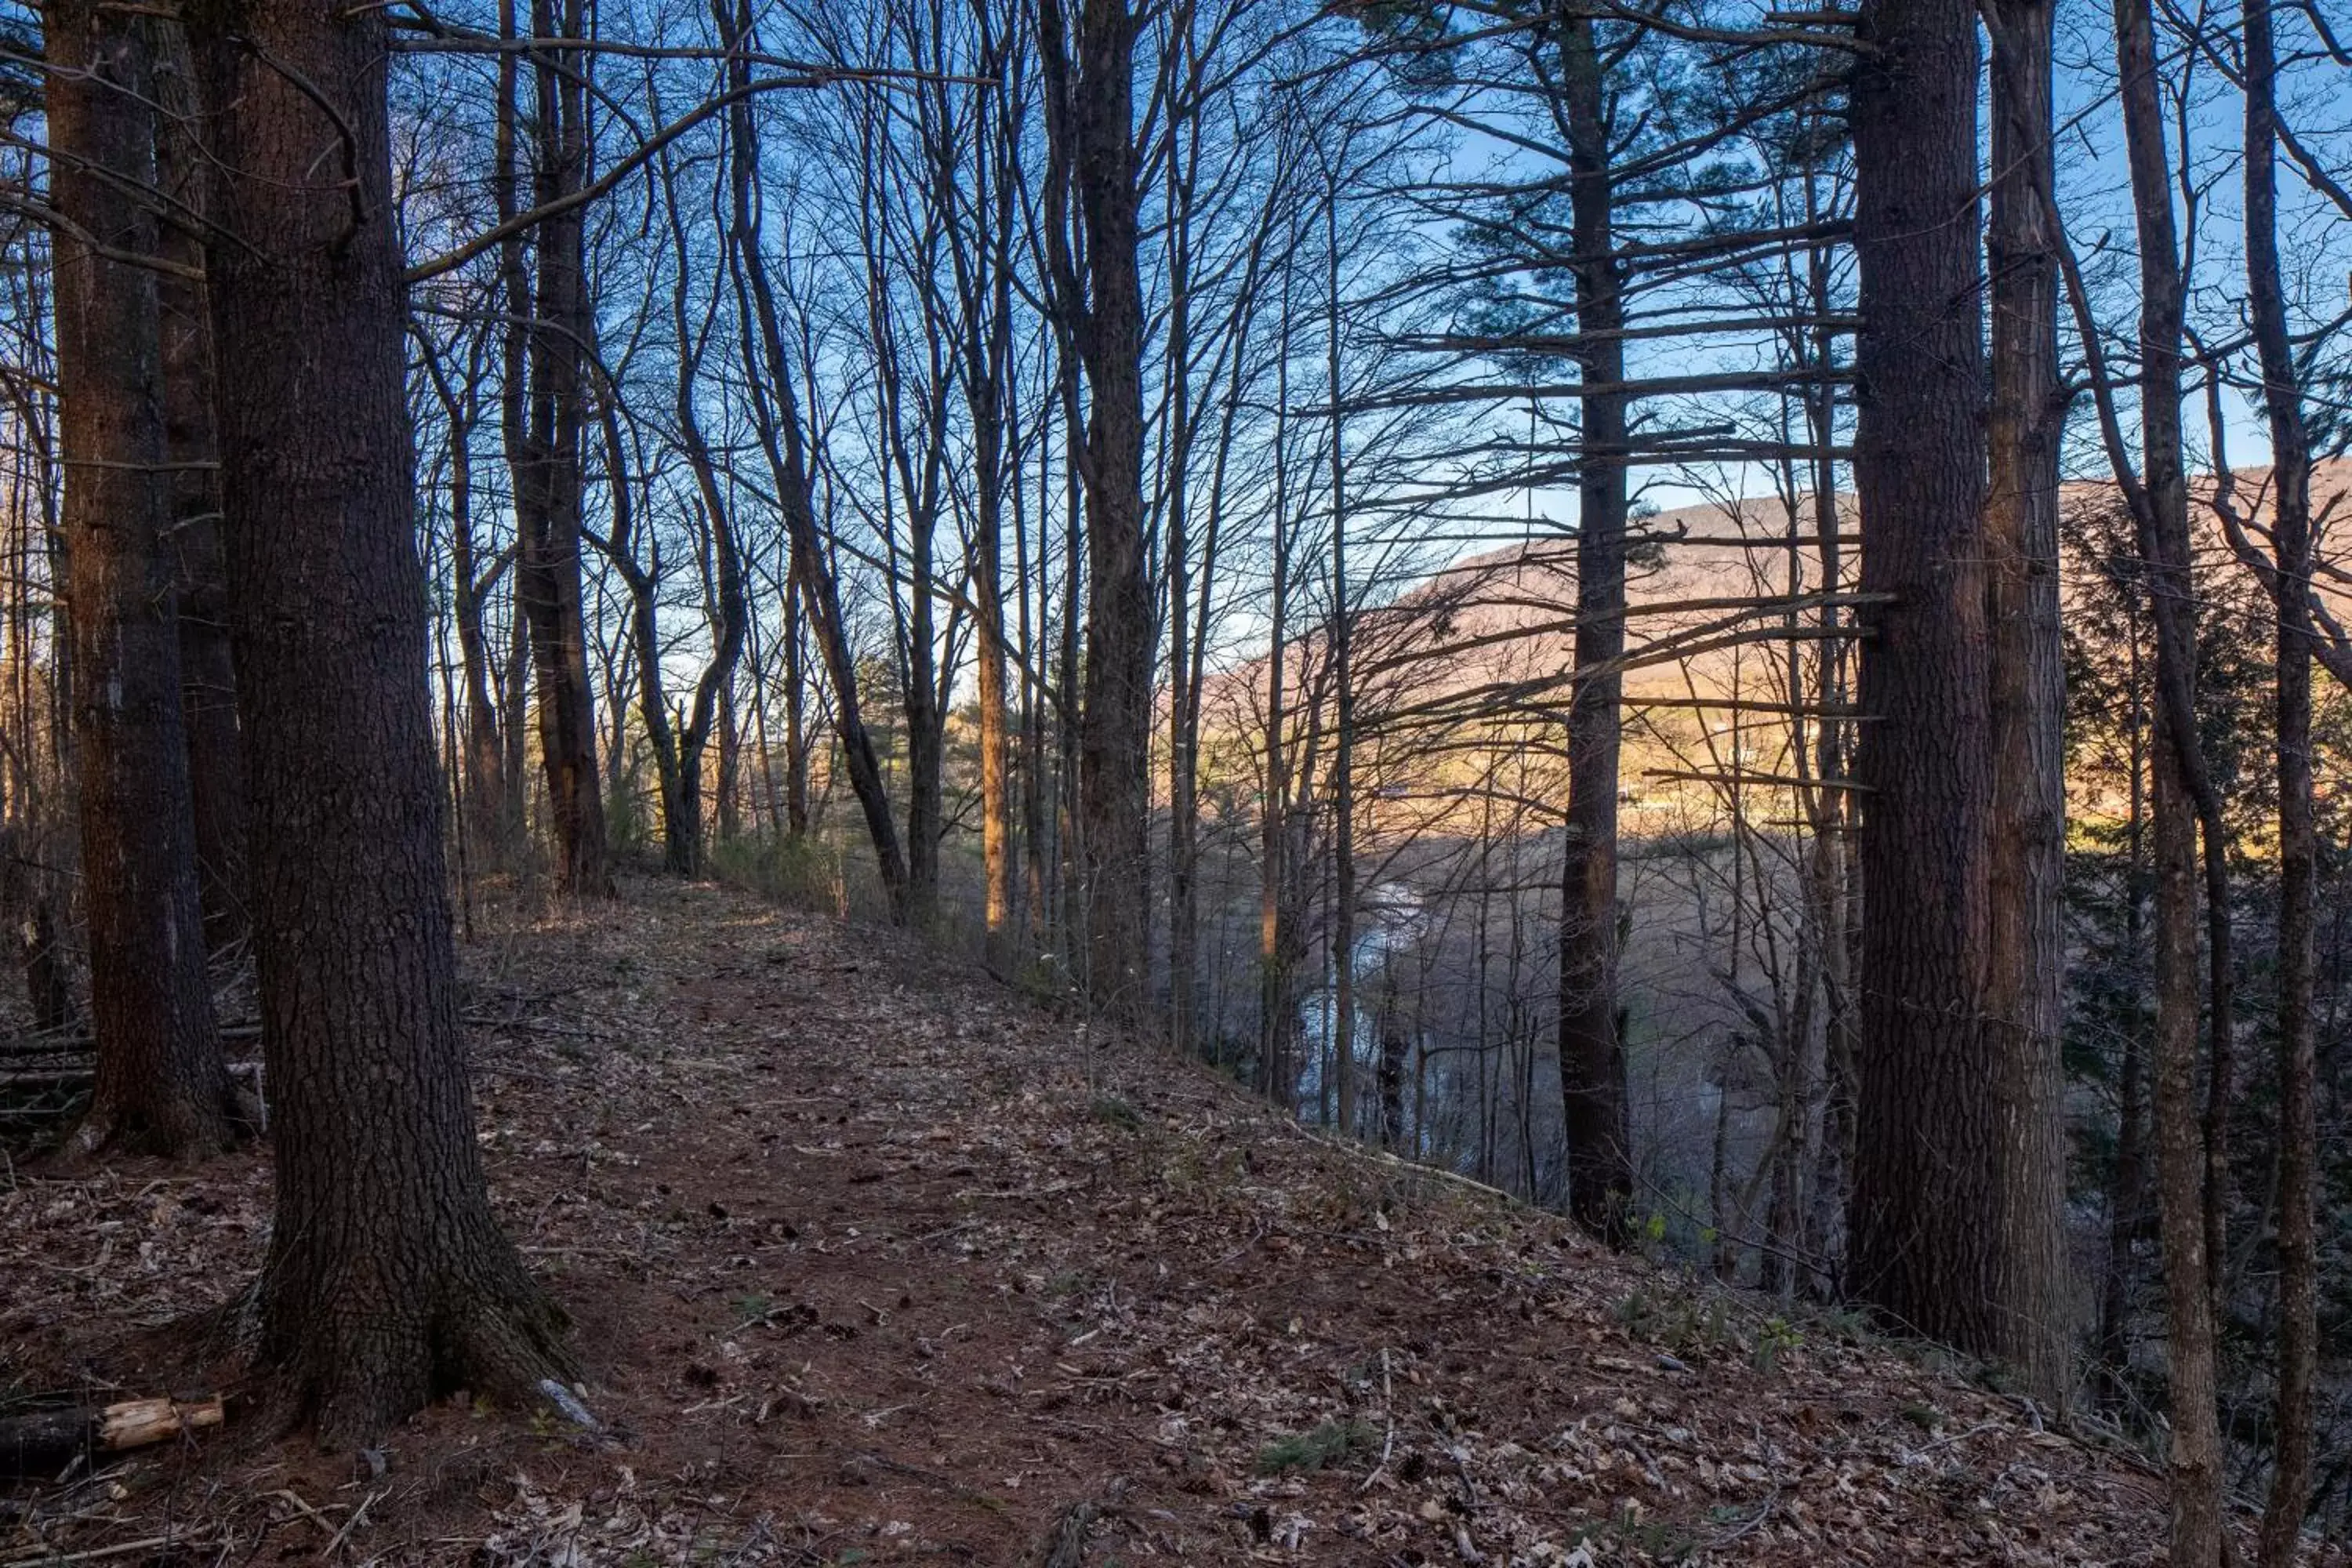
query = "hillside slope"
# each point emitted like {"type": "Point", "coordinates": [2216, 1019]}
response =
{"type": "Point", "coordinates": [1488, 640]}
{"type": "Point", "coordinates": [872, 1260]}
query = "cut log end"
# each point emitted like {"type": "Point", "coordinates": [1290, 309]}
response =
{"type": "Point", "coordinates": [49, 1440]}
{"type": "Point", "coordinates": [136, 1422]}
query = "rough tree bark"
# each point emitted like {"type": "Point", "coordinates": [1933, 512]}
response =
{"type": "Point", "coordinates": [1090, 94]}
{"type": "Point", "coordinates": [387, 1281]}
{"type": "Point", "coordinates": [162, 1086]}
{"type": "Point", "coordinates": [1591, 1056]}
{"type": "Point", "coordinates": [2023, 994]}
{"type": "Point", "coordinates": [1930, 1156]}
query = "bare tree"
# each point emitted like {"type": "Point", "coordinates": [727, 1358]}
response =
{"type": "Point", "coordinates": [2291, 591]}
{"type": "Point", "coordinates": [483, 780]}
{"type": "Point", "coordinates": [2158, 500]}
{"type": "Point", "coordinates": [777, 409]}
{"type": "Point", "coordinates": [548, 464]}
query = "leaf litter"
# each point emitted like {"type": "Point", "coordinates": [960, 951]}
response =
{"type": "Point", "coordinates": [874, 1260]}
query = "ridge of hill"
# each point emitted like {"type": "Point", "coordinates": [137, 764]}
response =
{"type": "Point", "coordinates": [1743, 548]}
{"type": "Point", "coordinates": [873, 1259]}
{"type": "Point", "coordinates": [1490, 640]}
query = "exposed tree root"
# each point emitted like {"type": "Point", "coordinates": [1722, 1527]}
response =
{"type": "Point", "coordinates": [353, 1366]}
{"type": "Point", "coordinates": [171, 1126]}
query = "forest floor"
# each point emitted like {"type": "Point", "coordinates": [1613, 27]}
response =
{"type": "Point", "coordinates": [873, 1259]}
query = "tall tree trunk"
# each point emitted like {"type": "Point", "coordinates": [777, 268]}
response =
{"type": "Point", "coordinates": [711, 715]}
{"type": "Point", "coordinates": [1032, 575]}
{"type": "Point", "coordinates": [1794, 1062]}
{"type": "Point", "coordinates": [548, 493]}
{"type": "Point", "coordinates": [1396, 1054]}
{"type": "Point", "coordinates": [2196, 1457]}
{"type": "Point", "coordinates": [2128, 1176]}
{"type": "Point", "coordinates": [984, 278]}
{"type": "Point", "coordinates": [988, 600]}
{"type": "Point", "coordinates": [28, 888]}
{"type": "Point", "coordinates": [481, 751]}
{"type": "Point", "coordinates": [776, 415]}
{"type": "Point", "coordinates": [162, 1086]}
{"type": "Point", "coordinates": [761, 790]}
{"type": "Point", "coordinates": [1180, 172]}
{"type": "Point", "coordinates": [2182, 1146]}
{"type": "Point", "coordinates": [514, 430]}
{"type": "Point", "coordinates": [1929, 1161]}
{"type": "Point", "coordinates": [2027, 955]}
{"type": "Point", "coordinates": [926, 739]}
{"type": "Point", "coordinates": [1215, 1043]}
{"type": "Point", "coordinates": [41, 955]}
{"type": "Point", "coordinates": [1342, 1039]}
{"type": "Point", "coordinates": [912, 376]}
{"type": "Point", "coordinates": [1183, 678]}
{"type": "Point", "coordinates": [2127, 1184]}
{"type": "Point", "coordinates": [987, 348]}
{"type": "Point", "coordinates": [486, 785]}
{"type": "Point", "coordinates": [1829, 868]}
{"type": "Point", "coordinates": [39, 868]}
{"type": "Point", "coordinates": [2298, 1134]}
{"type": "Point", "coordinates": [796, 743]}
{"type": "Point", "coordinates": [387, 1279]}
{"type": "Point", "coordinates": [207, 673]}
{"type": "Point", "coordinates": [1278, 1076]}
{"type": "Point", "coordinates": [681, 812]}
{"type": "Point", "coordinates": [1591, 1056]}
{"type": "Point", "coordinates": [1090, 99]}
{"type": "Point", "coordinates": [1829, 882]}
{"type": "Point", "coordinates": [514, 733]}
{"type": "Point", "coordinates": [726, 780]}
{"type": "Point", "coordinates": [1068, 852]}
{"type": "Point", "coordinates": [727, 604]}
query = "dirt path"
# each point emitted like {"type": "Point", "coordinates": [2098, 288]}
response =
{"type": "Point", "coordinates": [871, 1264]}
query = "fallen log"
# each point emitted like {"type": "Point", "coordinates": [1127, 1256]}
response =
{"type": "Point", "coordinates": [68, 1042]}
{"type": "Point", "coordinates": [46, 1441]}
{"type": "Point", "coordinates": [48, 1080]}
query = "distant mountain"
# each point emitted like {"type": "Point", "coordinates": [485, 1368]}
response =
{"type": "Point", "coordinates": [1727, 599]}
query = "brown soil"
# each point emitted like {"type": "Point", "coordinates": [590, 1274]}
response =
{"type": "Point", "coordinates": [873, 1259]}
